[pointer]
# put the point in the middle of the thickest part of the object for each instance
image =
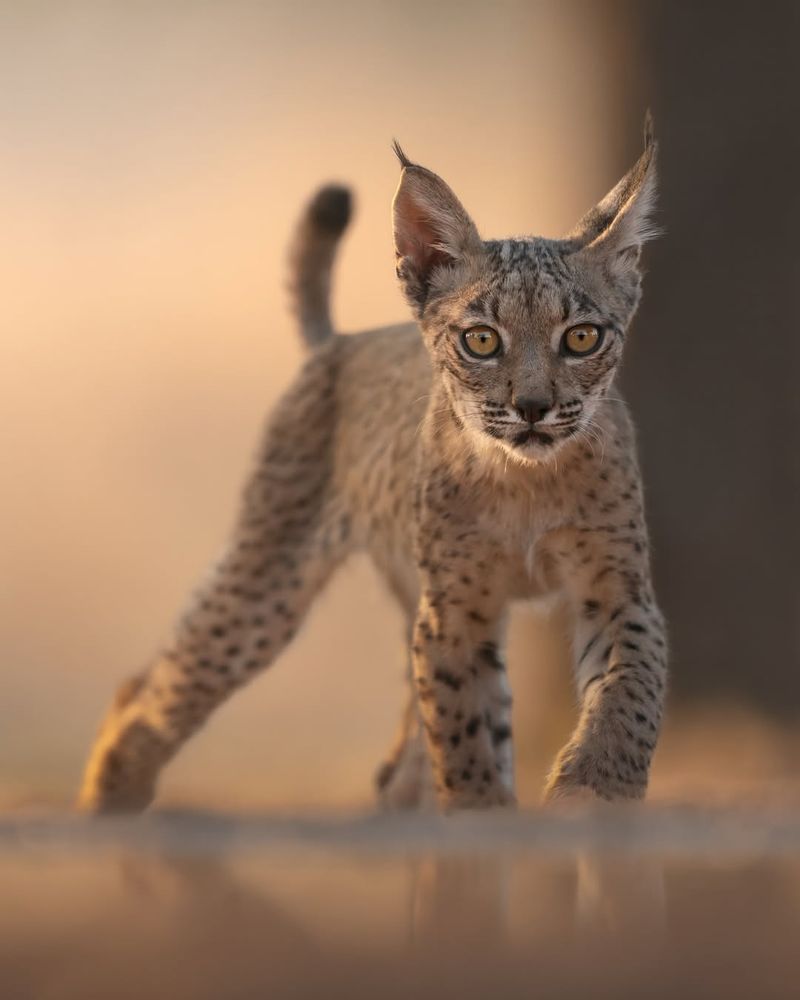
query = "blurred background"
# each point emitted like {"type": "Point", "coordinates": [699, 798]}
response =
{"type": "Point", "coordinates": [153, 158]}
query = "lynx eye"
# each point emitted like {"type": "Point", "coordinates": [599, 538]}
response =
{"type": "Point", "coordinates": [582, 340]}
{"type": "Point", "coordinates": [481, 341]}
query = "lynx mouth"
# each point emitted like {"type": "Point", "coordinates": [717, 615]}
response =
{"type": "Point", "coordinates": [532, 436]}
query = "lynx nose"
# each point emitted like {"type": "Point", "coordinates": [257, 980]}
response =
{"type": "Point", "coordinates": [531, 408]}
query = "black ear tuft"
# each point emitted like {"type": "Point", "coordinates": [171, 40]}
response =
{"type": "Point", "coordinates": [649, 129]}
{"type": "Point", "coordinates": [401, 156]}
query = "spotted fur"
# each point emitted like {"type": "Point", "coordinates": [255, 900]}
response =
{"type": "Point", "coordinates": [397, 441]}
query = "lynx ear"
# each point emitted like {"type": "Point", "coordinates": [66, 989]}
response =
{"type": "Point", "coordinates": [431, 230]}
{"type": "Point", "coordinates": [619, 225]}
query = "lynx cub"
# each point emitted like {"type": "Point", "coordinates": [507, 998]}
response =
{"type": "Point", "coordinates": [478, 456]}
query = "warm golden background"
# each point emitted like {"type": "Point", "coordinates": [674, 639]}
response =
{"type": "Point", "coordinates": [153, 157]}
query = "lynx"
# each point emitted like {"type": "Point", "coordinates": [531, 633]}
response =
{"type": "Point", "coordinates": [481, 455]}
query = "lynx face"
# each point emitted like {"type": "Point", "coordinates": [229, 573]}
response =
{"type": "Point", "coordinates": [527, 351]}
{"type": "Point", "coordinates": [525, 334]}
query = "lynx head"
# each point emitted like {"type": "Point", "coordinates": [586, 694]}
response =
{"type": "Point", "coordinates": [526, 334]}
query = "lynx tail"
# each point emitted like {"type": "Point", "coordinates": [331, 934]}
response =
{"type": "Point", "coordinates": [313, 250]}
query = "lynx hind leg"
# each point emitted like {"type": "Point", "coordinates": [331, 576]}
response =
{"type": "Point", "coordinates": [290, 535]}
{"type": "Point", "coordinates": [405, 779]}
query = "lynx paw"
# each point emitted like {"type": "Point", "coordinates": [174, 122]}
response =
{"type": "Point", "coordinates": [581, 776]}
{"type": "Point", "coordinates": [570, 795]}
{"type": "Point", "coordinates": [104, 796]}
{"type": "Point", "coordinates": [481, 797]}
{"type": "Point", "coordinates": [121, 773]}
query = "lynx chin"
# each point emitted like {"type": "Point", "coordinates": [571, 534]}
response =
{"type": "Point", "coordinates": [481, 455]}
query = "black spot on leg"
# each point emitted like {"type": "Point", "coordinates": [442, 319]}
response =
{"type": "Point", "coordinates": [490, 655]}
{"type": "Point", "coordinates": [473, 725]}
{"type": "Point", "coordinates": [500, 734]}
{"type": "Point", "coordinates": [384, 775]}
{"type": "Point", "coordinates": [425, 630]}
{"type": "Point", "coordinates": [448, 679]}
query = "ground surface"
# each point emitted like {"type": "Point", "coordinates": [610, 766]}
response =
{"type": "Point", "coordinates": [641, 902]}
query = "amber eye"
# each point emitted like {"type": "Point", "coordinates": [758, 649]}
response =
{"type": "Point", "coordinates": [481, 341]}
{"type": "Point", "coordinates": [582, 340]}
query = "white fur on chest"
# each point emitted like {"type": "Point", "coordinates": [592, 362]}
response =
{"type": "Point", "coordinates": [519, 519]}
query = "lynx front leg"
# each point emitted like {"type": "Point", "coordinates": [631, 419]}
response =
{"type": "Point", "coordinates": [620, 665]}
{"type": "Point", "coordinates": [461, 684]}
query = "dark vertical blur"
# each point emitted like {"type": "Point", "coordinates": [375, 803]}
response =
{"type": "Point", "coordinates": [712, 372]}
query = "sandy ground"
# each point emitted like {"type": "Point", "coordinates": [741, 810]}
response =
{"type": "Point", "coordinates": [696, 894]}
{"type": "Point", "coordinates": [654, 901]}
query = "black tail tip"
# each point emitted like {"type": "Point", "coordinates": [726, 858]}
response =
{"type": "Point", "coordinates": [331, 208]}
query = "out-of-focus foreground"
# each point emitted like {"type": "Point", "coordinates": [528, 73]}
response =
{"type": "Point", "coordinates": [624, 904]}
